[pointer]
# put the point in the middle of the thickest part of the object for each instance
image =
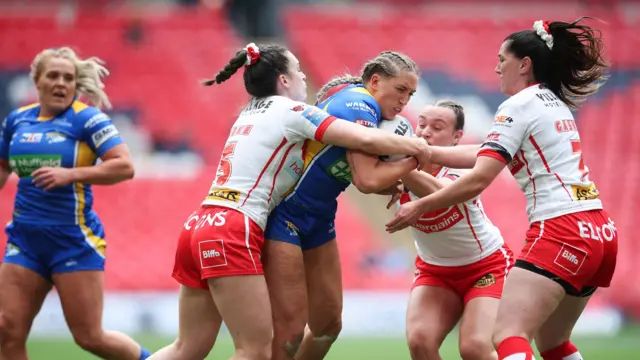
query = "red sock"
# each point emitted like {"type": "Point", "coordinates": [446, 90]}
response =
{"type": "Point", "coordinates": [515, 348]}
{"type": "Point", "coordinates": [566, 351]}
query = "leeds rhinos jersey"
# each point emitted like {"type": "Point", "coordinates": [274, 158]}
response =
{"type": "Point", "coordinates": [74, 138]}
{"type": "Point", "coordinates": [535, 134]}
{"type": "Point", "coordinates": [325, 171]}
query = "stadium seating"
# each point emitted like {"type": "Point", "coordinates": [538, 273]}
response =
{"type": "Point", "coordinates": [158, 75]}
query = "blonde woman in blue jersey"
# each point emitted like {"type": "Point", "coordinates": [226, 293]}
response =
{"type": "Point", "coordinates": [56, 239]}
{"type": "Point", "coordinates": [302, 264]}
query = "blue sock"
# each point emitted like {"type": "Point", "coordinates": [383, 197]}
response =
{"type": "Point", "coordinates": [144, 353]}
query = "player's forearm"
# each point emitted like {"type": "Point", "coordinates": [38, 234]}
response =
{"type": "Point", "coordinates": [373, 141]}
{"type": "Point", "coordinates": [109, 172]}
{"type": "Point", "coordinates": [5, 172]}
{"type": "Point", "coordinates": [463, 189]}
{"type": "Point", "coordinates": [385, 175]}
{"type": "Point", "coordinates": [383, 143]}
{"type": "Point", "coordinates": [421, 184]}
{"type": "Point", "coordinates": [459, 157]}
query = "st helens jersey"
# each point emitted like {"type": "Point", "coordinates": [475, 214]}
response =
{"type": "Point", "coordinates": [458, 235]}
{"type": "Point", "coordinates": [257, 166]}
{"type": "Point", "coordinates": [76, 137]}
{"type": "Point", "coordinates": [535, 134]}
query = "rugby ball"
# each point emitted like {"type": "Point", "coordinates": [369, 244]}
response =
{"type": "Point", "coordinates": [400, 126]}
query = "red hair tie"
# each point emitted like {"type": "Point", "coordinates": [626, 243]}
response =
{"type": "Point", "coordinates": [253, 54]}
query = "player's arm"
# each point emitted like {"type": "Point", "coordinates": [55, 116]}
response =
{"type": "Point", "coordinates": [501, 144]}
{"type": "Point", "coordinates": [5, 138]}
{"type": "Point", "coordinates": [310, 122]}
{"type": "Point", "coordinates": [422, 184]}
{"type": "Point", "coordinates": [105, 141]}
{"type": "Point", "coordinates": [370, 175]}
{"type": "Point", "coordinates": [457, 157]}
{"type": "Point", "coordinates": [116, 166]}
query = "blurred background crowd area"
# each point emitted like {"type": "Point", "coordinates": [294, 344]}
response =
{"type": "Point", "coordinates": [158, 50]}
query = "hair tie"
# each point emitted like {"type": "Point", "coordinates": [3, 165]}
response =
{"type": "Point", "coordinates": [542, 29]}
{"type": "Point", "coordinates": [253, 54]}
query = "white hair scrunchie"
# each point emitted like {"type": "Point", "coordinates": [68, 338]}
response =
{"type": "Point", "coordinates": [253, 54]}
{"type": "Point", "coordinates": [542, 29]}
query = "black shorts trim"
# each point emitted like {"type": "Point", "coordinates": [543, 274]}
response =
{"type": "Point", "coordinates": [568, 288]}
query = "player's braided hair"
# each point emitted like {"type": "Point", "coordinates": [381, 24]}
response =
{"type": "Point", "coordinates": [570, 63]}
{"type": "Point", "coordinates": [387, 63]}
{"type": "Point", "coordinates": [457, 109]}
{"type": "Point", "coordinates": [261, 77]}
{"type": "Point", "coordinates": [89, 74]}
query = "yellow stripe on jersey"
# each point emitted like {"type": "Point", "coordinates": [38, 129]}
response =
{"type": "Point", "coordinates": [27, 107]}
{"type": "Point", "coordinates": [78, 106]}
{"type": "Point", "coordinates": [312, 148]}
{"type": "Point", "coordinates": [84, 154]}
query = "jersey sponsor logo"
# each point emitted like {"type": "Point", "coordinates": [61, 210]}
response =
{"type": "Point", "coordinates": [315, 115]}
{"type": "Point", "coordinates": [439, 220]}
{"type": "Point", "coordinates": [570, 258]}
{"type": "Point", "coordinates": [340, 170]}
{"type": "Point", "coordinates": [493, 137]}
{"type": "Point", "coordinates": [298, 108]}
{"type": "Point", "coordinates": [212, 253]}
{"type": "Point", "coordinates": [366, 123]}
{"type": "Point", "coordinates": [503, 120]}
{"type": "Point", "coordinates": [215, 219]}
{"type": "Point", "coordinates": [24, 165]}
{"type": "Point", "coordinates": [597, 232]}
{"type": "Point", "coordinates": [582, 193]}
{"type": "Point", "coordinates": [31, 138]}
{"type": "Point", "coordinates": [360, 106]}
{"type": "Point", "coordinates": [55, 137]}
{"type": "Point", "coordinates": [485, 281]}
{"type": "Point", "coordinates": [96, 119]}
{"type": "Point", "coordinates": [224, 195]}
{"type": "Point", "coordinates": [295, 167]}
{"type": "Point", "coordinates": [103, 135]}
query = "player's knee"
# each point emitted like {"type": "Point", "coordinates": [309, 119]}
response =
{"type": "Point", "coordinates": [331, 326]}
{"type": "Point", "coordinates": [11, 331]}
{"type": "Point", "coordinates": [91, 341]}
{"type": "Point", "coordinates": [476, 347]}
{"type": "Point", "coordinates": [421, 345]}
{"type": "Point", "coordinates": [190, 349]}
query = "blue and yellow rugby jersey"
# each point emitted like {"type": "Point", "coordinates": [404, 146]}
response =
{"type": "Point", "coordinates": [74, 138]}
{"type": "Point", "coordinates": [326, 172]}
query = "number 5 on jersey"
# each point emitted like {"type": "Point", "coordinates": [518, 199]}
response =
{"type": "Point", "coordinates": [224, 168]}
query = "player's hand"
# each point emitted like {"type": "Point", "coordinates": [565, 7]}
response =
{"type": "Point", "coordinates": [396, 193]}
{"type": "Point", "coordinates": [424, 157]}
{"type": "Point", "coordinates": [406, 215]}
{"type": "Point", "coordinates": [52, 177]}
